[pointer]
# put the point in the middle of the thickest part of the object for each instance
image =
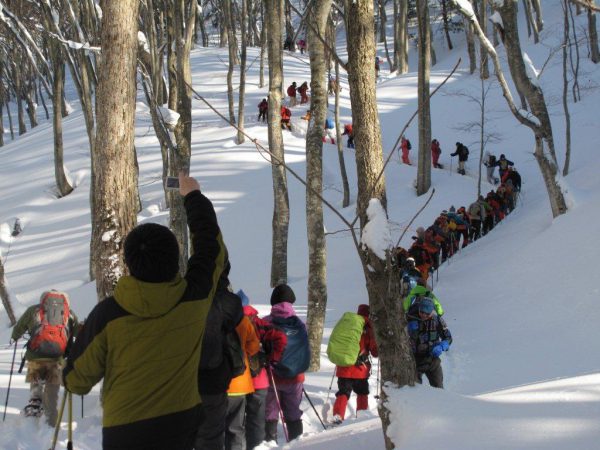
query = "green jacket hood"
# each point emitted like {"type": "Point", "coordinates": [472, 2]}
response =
{"type": "Point", "coordinates": [149, 300]}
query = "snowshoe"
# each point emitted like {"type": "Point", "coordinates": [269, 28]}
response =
{"type": "Point", "coordinates": [335, 420]}
{"type": "Point", "coordinates": [34, 408]}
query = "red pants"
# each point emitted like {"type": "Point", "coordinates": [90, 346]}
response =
{"type": "Point", "coordinates": [405, 159]}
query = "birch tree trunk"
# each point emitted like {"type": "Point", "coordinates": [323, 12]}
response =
{"type": "Point", "coordinates": [4, 295]}
{"type": "Point", "coordinates": [565, 94]}
{"type": "Point", "coordinates": [17, 82]}
{"type": "Point", "coordinates": [317, 245]}
{"type": "Point", "coordinates": [116, 182]}
{"type": "Point", "coordinates": [424, 159]}
{"type": "Point", "coordinates": [445, 20]}
{"type": "Point", "coordinates": [243, 25]}
{"type": "Point", "coordinates": [226, 5]}
{"type": "Point", "coordinates": [484, 71]}
{"type": "Point", "coordinates": [263, 45]}
{"type": "Point", "coordinates": [389, 322]}
{"type": "Point", "coordinates": [471, 48]}
{"type": "Point", "coordinates": [593, 32]}
{"type": "Point", "coordinates": [340, 144]}
{"type": "Point", "coordinates": [281, 203]}
{"type": "Point", "coordinates": [402, 37]}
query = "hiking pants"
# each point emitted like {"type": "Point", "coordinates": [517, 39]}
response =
{"type": "Point", "coordinates": [262, 115]}
{"type": "Point", "coordinates": [211, 429]}
{"type": "Point", "coordinates": [235, 431]}
{"type": "Point", "coordinates": [490, 175]}
{"type": "Point", "coordinates": [475, 229]}
{"type": "Point", "coordinates": [360, 386]}
{"type": "Point", "coordinates": [290, 396]}
{"type": "Point", "coordinates": [432, 368]}
{"type": "Point", "coordinates": [255, 418]}
{"type": "Point", "coordinates": [405, 159]}
{"type": "Point", "coordinates": [45, 379]}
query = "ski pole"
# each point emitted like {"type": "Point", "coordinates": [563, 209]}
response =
{"type": "Point", "coordinates": [58, 420]}
{"type": "Point", "coordinates": [12, 365]}
{"type": "Point", "coordinates": [70, 429]}
{"type": "Point", "coordinates": [313, 407]}
{"type": "Point", "coordinates": [81, 406]}
{"type": "Point", "coordinates": [331, 384]}
{"type": "Point", "coordinates": [285, 430]}
{"type": "Point", "coordinates": [378, 365]}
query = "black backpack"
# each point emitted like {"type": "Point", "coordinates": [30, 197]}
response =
{"type": "Point", "coordinates": [232, 350]}
{"type": "Point", "coordinates": [408, 146]}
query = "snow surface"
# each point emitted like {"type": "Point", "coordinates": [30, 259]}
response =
{"type": "Point", "coordinates": [522, 303]}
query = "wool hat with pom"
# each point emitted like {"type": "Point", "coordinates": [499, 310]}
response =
{"type": "Point", "coordinates": [152, 253]}
{"type": "Point", "coordinates": [282, 293]}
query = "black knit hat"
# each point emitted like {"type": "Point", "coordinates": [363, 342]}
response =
{"type": "Point", "coordinates": [152, 253]}
{"type": "Point", "coordinates": [282, 293]}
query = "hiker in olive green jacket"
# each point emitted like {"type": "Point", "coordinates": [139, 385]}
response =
{"type": "Point", "coordinates": [45, 360]}
{"type": "Point", "coordinates": [145, 340]}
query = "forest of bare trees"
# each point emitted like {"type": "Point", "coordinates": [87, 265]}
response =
{"type": "Point", "coordinates": [112, 50]}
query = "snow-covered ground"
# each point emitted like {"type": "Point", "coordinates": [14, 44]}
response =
{"type": "Point", "coordinates": [522, 303]}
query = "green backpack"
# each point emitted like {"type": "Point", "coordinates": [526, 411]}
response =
{"type": "Point", "coordinates": [344, 343]}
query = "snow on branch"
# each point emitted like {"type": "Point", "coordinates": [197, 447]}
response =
{"type": "Point", "coordinates": [532, 72]}
{"type": "Point", "coordinates": [376, 233]}
{"type": "Point", "coordinates": [75, 45]}
{"type": "Point", "coordinates": [589, 4]}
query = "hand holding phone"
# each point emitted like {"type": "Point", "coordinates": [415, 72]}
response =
{"type": "Point", "coordinates": [172, 183]}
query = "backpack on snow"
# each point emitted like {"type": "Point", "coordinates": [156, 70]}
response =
{"type": "Point", "coordinates": [343, 348]}
{"type": "Point", "coordinates": [296, 355]}
{"type": "Point", "coordinates": [50, 336]}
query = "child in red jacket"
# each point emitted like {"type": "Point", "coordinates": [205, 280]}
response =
{"type": "Point", "coordinates": [356, 378]}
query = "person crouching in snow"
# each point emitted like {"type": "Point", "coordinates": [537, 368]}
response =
{"type": "Point", "coordinates": [356, 378]}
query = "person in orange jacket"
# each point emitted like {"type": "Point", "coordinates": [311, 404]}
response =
{"type": "Point", "coordinates": [356, 378]}
{"type": "Point", "coordinates": [240, 386]}
{"type": "Point", "coordinates": [405, 147]}
{"type": "Point", "coordinates": [286, 115]}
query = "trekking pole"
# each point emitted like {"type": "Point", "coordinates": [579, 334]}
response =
{"type": "Point", "coordinates": [70, 429]}
{"type": "Point", "coordinates": [81, 406]}
{"type": "Point", "coordinates": [58, 420]}
{"type": "Point", "coordinates": [285, 430]}
{"type": "Point", "coordinates": [313, 407]}
{"type": "Point", "coordinates": [12, 365]}
{"type": "Point", "coordinates": [377, 394]}
{"type": "Point", "coordinates": [330, 385]}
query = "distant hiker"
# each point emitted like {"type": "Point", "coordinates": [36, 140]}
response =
{"type": "Point", "coordinates": [377, 66]}
{"type": "Point", "coordinates": [145, 340]}
{"type": "Point", "coordinates": [410, 276]}
{"type": "Point", "coordinates": [289, 360]}
{"type": "Point", "coordinates": [303, 89]}
{"type": "Point", "coordinates": [475, 213]}
{"type": "Point", "coordinates": [348, 132]}
{"type": "Point", "coordinates": [51, 325]}
{"type": "Point", "coordinates": [289, 44]}
{"type": "Point", "coordinates": [286, 115]}
{"type": "Point", "coordinates": [489, 161]}
{"type": "Point", "coordinates": [429, 337]}
{"type": "Point", "coordinates": [352, 342]}
{"type": "Point", "coordinates": [329, 130]}
{"type": "Point", "coordinates": [436, 151]}
{"type": "Point", "coordinates": [217, 368]}
{"type": "Point", "coordinates": [332, 85]}
{"type": "Point", "coordinates": [405, 146]}
{"type": "Point", "coordinates": [463, 155]}
{"type": "Point", "coordinates": [239, 388]}
{"type": "Point", "coordinates": [302, 46]}
{"type": "Point", "coordinates": [513, 176]}
{"type": "Point", "coordinates": [503, 165]}
{"type": "Point", "coordinates": [291, 92]}
{"type": "Point", "coordinates": [487, 213]}
{"type": "Point", "coordinates": [263, 109]}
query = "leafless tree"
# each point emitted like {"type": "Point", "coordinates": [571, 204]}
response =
{"type": "Point", "coordinates": [424, 159]}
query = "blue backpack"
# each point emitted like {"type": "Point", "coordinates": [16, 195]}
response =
{"type": "Point", "coordinates": [296, 355]}
{"type": "Point", "coordinates": [329, 123]}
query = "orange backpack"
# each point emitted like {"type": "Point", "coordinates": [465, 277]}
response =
{"type": "Point", "coordinates": [50, 336]}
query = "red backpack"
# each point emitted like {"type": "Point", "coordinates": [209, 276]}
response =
{"type": "Point", "coordinates": [50, 336]}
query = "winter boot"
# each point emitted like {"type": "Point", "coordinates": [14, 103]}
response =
{"type": "Point", "coordinates": [271, 430]}
{"type": "Point", "coordinates": [362, 402]}
{"type": "Point", "coordinates": [295, 429]}
{"type": "Point", "coordinates": [339, 407]}
{"type": "Point", "coordinates": [34, 408]}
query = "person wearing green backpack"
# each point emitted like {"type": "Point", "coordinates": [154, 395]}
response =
{"type": "Point", "coordinates": [355, 376]}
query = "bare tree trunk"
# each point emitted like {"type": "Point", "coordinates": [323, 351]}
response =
{"type": "Point", "coordinates": [62, 183]}
{"type": "Point", "coordinates": [6, 297]}
{"type": "Point", "coordinates": [424, 159]}
{"type": "Point", "coordinates": [388, 319]}
{"type": "Point", "coordinates": [226, 5]}
{"type": "Point", "coordinates": [10, 122]}
{"type": "Point", "coordinates": [539, 21]}
{"type": "Point", "coordinates": [317, 244]}
{"type": "Point", "coordinates": [396, 63]}
{"type": "Point", "coordinates": [19, 97]}
{"type": "Point", "coordinates": [1, 121]}
{"type": "Point", "coordinates": [471, 48]}
{"type": "Point", "coordinates": [402, 37]}
{"type": "Point", "coordinates": [289, 28]}
{"type": "Point", "coordinates": [31, 106]}
{"type": "Point", "coordinates": [344, 175]}
{"type": "Point", "coordinates": [383, 34]}
{"type": "Point", "coordinates": [574, 62]}
{"type": "Point", "coordinates": [179, 160]}
{"type": "Point", "coordinates": [484, 71]}
{"type": "Point", "coordinates": [263, 45]}
{"type": "Point", "coordinates": [281, 207]}
{"type": "Point", "coordinates": [565, 96]}
{"type": "Point", "coordinates": [41, 96]}
{"type": "Point", "coordinates": [116, 189]}
{"type": "Point", "coordinates": [240, 135]}
{"type": "Point", "coordinates": [527, 8]}
{"type": "Point", "coordinates": [445, 20]}
{"type": "Point", "coordinates": [593, 32]}
{"type": "Point", "coordinates": [532, 22]}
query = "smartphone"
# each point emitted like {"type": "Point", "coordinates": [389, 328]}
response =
{"type": "Point", "coordinates": [172, 183]}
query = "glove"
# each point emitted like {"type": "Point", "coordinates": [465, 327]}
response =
{"type": "Point", "coordinates": [436, 351]}
{"type": "Point", "coordinates": [445, 345]}
{"type": "Point", "coordinates": [413, 326]}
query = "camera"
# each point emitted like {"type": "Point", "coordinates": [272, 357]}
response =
{"type": "Point", "coordinates": [172, 183]}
